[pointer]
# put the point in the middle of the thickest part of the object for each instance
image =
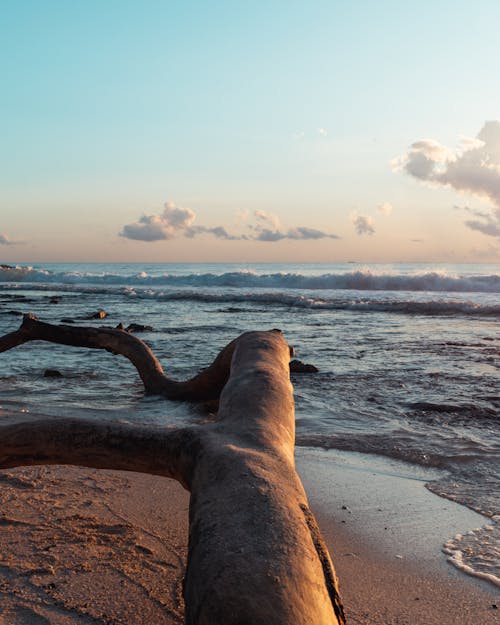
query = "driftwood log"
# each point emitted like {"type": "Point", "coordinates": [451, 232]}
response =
{"type": "Point", "coordinates": [255, 553]}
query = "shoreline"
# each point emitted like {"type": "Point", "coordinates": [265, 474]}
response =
{"type": "Point", "coordinates": [85, 546]}
{"type": "Point", "coordinates": [386, 533]}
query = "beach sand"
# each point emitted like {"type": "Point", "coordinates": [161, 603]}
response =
{"type": "Point", "coordinates": [87, 547]}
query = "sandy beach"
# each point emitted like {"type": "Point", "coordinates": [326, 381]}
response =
{"type": "Point", "coordinates": [85, 546]}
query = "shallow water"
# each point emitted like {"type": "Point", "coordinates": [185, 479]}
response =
{"type": "Point", "coordinates": [408, 356]}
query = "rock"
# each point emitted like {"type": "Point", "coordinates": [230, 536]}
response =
{"type": "Point", "coordinates": [54, 300]}
{"type": "Point", "coordinates": [18, 313]}
{"type": "Point", "coordinates": [67, 321]}
{"type": "Point", "coordinates": [52, 373]}
{"type": "Point", "coordinates": [120, 326]}
{"type": "Point", "coordinates": [100, 314]}
{"type": "Point", "coordinates": [296, 366]}
{"type": "Point", "coordinates": [137, 327]}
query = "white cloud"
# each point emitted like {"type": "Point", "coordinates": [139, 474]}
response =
{"type": "Point", "coordinates": [473, 168]}
{"type": "Point", "coordinates": [175, 222]}
{"type": "Point", "coordinates": [268, 228]}
{"type": "Point", "coordinates": [268, 218]}
{"type": "Point", "coordinates": [385, 208]}
{"type": "Point", "coordinates": [323, 132]}
{"type": "Point", "coordinates": [363, 223]}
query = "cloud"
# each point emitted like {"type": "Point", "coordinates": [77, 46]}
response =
{"type": "Point", "coordinates": [265, 234]}
{"type": "Point", "coordinates": [219, 232]}
{"type": "Point", "coordinates": [176, 222]}
{"type": "Point", "coordinates": [323, 132]}
{"type": "Point", "coordinates": [5, 240]}
{"type": "Point", "coordinates": [309, 233]}
{"type": "Point", "coordinates": [385, 208]}
{"type": "Point", "coordinates": [268, 218]}
{"type": "Point", "coordinates": [296, 234]}
{"type": "Point", "coordinates": [363, 223]}
{"type": "Point", "coordinates": [489, 225]}
{"type": "Point", "coordinates": [269, 229]}
{"type": "Point", "coordinates": [473, 168]}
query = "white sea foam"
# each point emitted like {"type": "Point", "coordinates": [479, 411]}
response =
{"type": "Point", "coordinates": [363, 280]}
{"type": "Point", "coordinates": [381, 302]}
{"type": "Point", "coordinates": [477, 553]}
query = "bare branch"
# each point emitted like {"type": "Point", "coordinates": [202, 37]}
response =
{"type": "Point", "coordinates": [37, 440]}
{"type": "Point", "coordinates": [112, 340]}
{"type": "Point", "coordinates": [206, 385]}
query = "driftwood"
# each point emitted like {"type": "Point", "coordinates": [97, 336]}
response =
{"type": "Point", "coordinates": [255, 554]}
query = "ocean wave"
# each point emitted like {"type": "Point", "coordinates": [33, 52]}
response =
{"type": "Point", "coordinates": [362, 280]}
{"type": "Point", "coordinates": [433, 307]}
{"type": "Point", "coordinates": [379, 304]}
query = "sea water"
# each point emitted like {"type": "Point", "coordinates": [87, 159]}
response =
{"type": "Point", "coordinates": [408, 358]}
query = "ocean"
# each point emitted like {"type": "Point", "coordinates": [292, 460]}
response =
{"type": "Point", "coordinates": [408, 358]}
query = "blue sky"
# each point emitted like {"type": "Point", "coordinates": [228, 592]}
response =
{"type": "Point", "coordinates": [246, 131]}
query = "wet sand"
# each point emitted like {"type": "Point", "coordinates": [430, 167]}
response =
{"type": "Point", "coordinates": [104, 547]}
{"type": "Point", "coordinates": [385, 532]}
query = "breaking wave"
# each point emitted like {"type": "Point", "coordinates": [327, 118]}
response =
{"type": "Point", "coordinates": [381, 304]}
{"type": "Point", "coordinates": [361, 280]}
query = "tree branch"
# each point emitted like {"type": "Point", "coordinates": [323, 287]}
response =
{"type": "Point", "coordinates": [206, 385]}
{"type": "Point", "coordinates": [38, 440]}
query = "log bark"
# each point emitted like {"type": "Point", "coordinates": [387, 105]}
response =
{"type": "Point", "coordinates": [256, 555]}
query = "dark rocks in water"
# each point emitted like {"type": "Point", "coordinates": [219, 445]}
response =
{"type": "Point", "coordinates": [52, 373]}
{"type": "Point", "coordinates": [134, 327]}
{"type": "Point", "coordinates": [54, 300]}
{"type": "Point", "coordinates": [297, 366]}
{"type": "Point", "coordinates": [138, 327]}
{"type": "Point", "coordinates": [18, 313]}
{"type": "Point", "coordinates": [3, 266]}
{"type": "Point", "coordinates": [100, 314]}
{"type": "Point", "coordinates": [67, 321]}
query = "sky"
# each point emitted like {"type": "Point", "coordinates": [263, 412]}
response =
{"type": "Point", "coordinates": [234, 131]}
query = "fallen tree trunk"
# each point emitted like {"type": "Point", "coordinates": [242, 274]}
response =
{"type": "Point", "coordinates": [256, 555]}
